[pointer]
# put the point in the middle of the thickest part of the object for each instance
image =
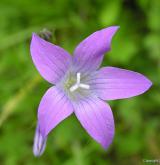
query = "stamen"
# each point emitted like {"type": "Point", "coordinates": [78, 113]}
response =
{"type": "Point", "coordinates": [85, 86]}
{"type": "Point", "coordinates": [78, 84]}
{"type": "Point", "coordinates": [74, 87]}
{"type": "Point", "coordinates": [78, 78]}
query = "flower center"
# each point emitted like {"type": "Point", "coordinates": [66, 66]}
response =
{"type": "Point", "coordinates": [74, 85]}
{"type": "Point", "coordinates": [78, 84]}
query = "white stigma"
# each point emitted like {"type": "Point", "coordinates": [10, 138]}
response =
{"type": "Point", "coordinates": [79, 84]}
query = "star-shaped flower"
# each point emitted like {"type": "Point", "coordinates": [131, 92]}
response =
{"type": "Point", "coordinates": [80, 88]}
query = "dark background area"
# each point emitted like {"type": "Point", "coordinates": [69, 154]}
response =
{"type": "Point", "coordinates": [136, 46]}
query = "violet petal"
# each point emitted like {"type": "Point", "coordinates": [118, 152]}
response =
{"type": "Point", "coordinates": [97, 119]}
{"type": "Point", "coordinates": [113, 83]}
{"type": "Point", "coordinates": [50, 60]}
{"type": "Point", "coordinates": [88, 55]}
{"type": "Point", "coordinates": [39, 143]}
{"type": "Point", "coordinates": [54, 107]}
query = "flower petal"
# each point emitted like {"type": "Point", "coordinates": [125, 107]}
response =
{"type": "Point", "coordinates": [96, 117]}
{"type": "Point", "coordinates": [113, 83]}
{"type": "Point", "coordinates": [54, 107]}
{"type": "Point", "coordinates": [39, 143]}
{"type": "Point", "coordinates": [88, 55]}
{"type": "Point", "coordinates": [50, 60]}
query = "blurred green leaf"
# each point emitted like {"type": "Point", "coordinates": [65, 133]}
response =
{"type": "Point", "coordinates": [110, 12]}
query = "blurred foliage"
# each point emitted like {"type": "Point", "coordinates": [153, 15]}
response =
{"type": "Point", "coordinates": [136, 46]}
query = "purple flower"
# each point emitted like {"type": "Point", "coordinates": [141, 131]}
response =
{"type": "Point", "coordinates": [80, 88]}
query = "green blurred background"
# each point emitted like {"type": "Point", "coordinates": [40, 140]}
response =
{"type": "Point", "coordinates": [136, 46]}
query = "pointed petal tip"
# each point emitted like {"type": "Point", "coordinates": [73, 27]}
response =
{"type": "Point", "coordinates": [37, 154]}
{"type": "Point", "coordinates": [110, 31]}
{"type": "Point", "coordinates": [33, 39]}
{"type": "Point", "coordinates": [105, 147]}
{"type": "Point", "coordinates": [149, 84]}
{"type": "Point", "coordinates": [106, 144]}
{"type": "Point", "coordinates": [35, 36]}
{"type": "Point", "coordinates": [116, 27]}
{"type": "Point", "coordinates": [113, 29]}
{"type": "Point", "coordinates": [39, 143]}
